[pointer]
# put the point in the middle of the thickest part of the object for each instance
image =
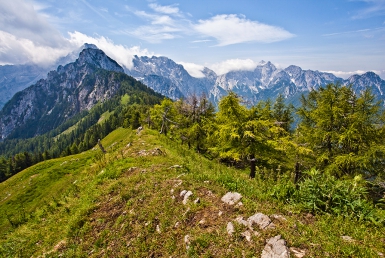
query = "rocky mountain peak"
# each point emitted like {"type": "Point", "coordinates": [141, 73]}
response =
{"type": "Point", "coordinates": [98, 58]}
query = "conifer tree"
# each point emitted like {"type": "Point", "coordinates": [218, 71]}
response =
{"type": "Point", "coordinates": [342, 129]}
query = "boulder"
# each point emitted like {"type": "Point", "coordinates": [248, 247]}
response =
{"type": "Point", "coordinates": [231, 198]}
{"type": "Point", "coordinates": [275, 248]}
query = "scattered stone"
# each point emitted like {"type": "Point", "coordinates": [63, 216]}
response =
{"type": "Point", "coordinates": [206, 182]}
{"type": "Point", "coordinates": [197, 200]}
{"type": "Point", "coordinates": [260, 219]}
{"type": "Point", "coordinates": [186, 196]}
{"type": "Point", "coordinates": [187, 241]}
{"type": "Point", "coordinates": [347, 239]}
{"type": "Point", "coordinates": [202, 221]}
{"type": "Point", "coordinates": [131, 169]}
{"type": "Point", "coordinates": [140, 128]}
{"type": "Point", "coordinates": [183, 193]}
{"type": "Point", "coordinates": [246, 235]}
{"type": "Point", "coordinates": [231, 198]}
{"type": "Point", "coordinates": [280, 218]}
{"type": "Point", "coordinates": [128, 145]}
{"type": "Point", "coordinates": [176, 225]}
{"type": "Point", "coordinates": [241, 221]}
{"type": "Point", "coordinates": [380, 254]}
{"type": "Point", "coordinates": [220, 213]}
{"type": "Point", "coordinates": [299, 253]}
{"type": "Point", "coordinates": [230, 229]}
{"type": "Point", "coordinates": [158, 229]}
{"type": "Point", "coordinates": [238, 205]}
{"type": "Point", "coordinates": [173, 197]}
{"type": "Point", "coordinates": [175, 166]}
{"type": "Point", "coordinates": [275, 248]}
{"type": "Point", "coordinates": [60, 246]}
{"type": "Point", "coordinates": [172, 191]}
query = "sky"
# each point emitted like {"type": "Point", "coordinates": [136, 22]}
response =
{"type": "Point", "coordinates": [344, 37]}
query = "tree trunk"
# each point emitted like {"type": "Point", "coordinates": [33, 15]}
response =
{"type": "Point", "coordinates": [252, 167]}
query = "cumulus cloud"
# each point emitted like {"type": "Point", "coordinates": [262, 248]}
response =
{"type": "Point", "coordinates": [121, 54]}
{"type": "Point", "coordinates": [232, 29]}
{"type": "Point", "coordinates": [233, 65]}
{"type": "Point", "coordinates": [27, 37]}
{"type": "Point", "coordinates": [194, 70]}
{"type": "Point", "coordinates": [16, 50]}
{"type": "Point", "coordinates": [20, 19]}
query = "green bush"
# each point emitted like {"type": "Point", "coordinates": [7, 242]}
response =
{"type": "Point", "coordinates": [322, 193]}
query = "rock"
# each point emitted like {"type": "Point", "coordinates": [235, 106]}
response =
{"type": "Point", "coordinates": [187, 241]}
{"type": "Point", "coordinates": [158, 229]}
{"type": "Point", "coordinates": [197, 200]}
{"type": "Point", "coordinates": [347, 238]}
{"type": "Point", "coordinates": [238, 205]}
{"type": "Point", "coordinates": [241, 221]}
{"type": "Point", "coordinates": [175, 166]}
{"type": "Point", "coordinates": [299, 253]}
{"type": "Point", "coordinates": [186, 196]}
{"type": "Point", "coordinates": [220, 213]}
{"type": "Point", "coordinates": [275, 248]}
{"type": "Point", "coordinates": [231, 198]}
{"type": "Point", "coordinates": [183, 193]}
{"type": "Point", "coordinates": [230, 229]}
{"type": "Point", "coordinates": [280, 218]}
{"type": "Point", "coordinates": [246, 235]}
{"type": "Point", "coordinates": [260, 219]}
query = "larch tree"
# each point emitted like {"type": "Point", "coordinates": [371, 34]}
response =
{"type": "Point", "coordinates": [342, 129]}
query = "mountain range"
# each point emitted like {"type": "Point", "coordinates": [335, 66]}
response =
{"type": "Point", "coordinates": [80, 84]}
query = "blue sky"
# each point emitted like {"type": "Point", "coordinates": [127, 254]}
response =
{"type": "Point", "coordinates": [341, 36]}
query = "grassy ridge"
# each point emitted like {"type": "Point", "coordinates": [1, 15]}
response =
{"type": "Point", "coordinates": [127, 203]}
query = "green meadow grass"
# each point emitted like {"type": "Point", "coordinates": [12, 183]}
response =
{"type": "Point", "coordinates": [126, 203]}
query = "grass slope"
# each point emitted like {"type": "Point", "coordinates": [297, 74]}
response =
{"type": "Point", "coordinates": [127, 203]}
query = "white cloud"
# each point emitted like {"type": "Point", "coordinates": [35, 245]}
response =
{"type": "Point", "coordinates": [233, 65]}
{"type": "Point", "coordinates": [232, 29]}
{"type": "Point", "coordinates": [121, 54]}
{"type": "Point", "coordinates": [20, 19]}
{"type": "Point", "coordinates": [15, 50]}
{"type": "Point", "coordinates": [346, 75]}
{"type": "Point", "coordinates": [168, 9]}
{"type": "Point", "coordinates": [161, 26]}
{"type": "Point", "coordinates": [194, 70]}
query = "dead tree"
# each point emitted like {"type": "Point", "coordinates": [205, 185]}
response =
{"type": "Point", "coordinates": [101, 146]}
{"type": "Point", "coordinates": [164, 127]}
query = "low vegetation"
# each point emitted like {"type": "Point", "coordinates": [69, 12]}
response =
{"type": "Point", "coordinates": [321, 183]}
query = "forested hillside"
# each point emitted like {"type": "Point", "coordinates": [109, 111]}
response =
{"type": "Point", "coordinates": [82, 131]}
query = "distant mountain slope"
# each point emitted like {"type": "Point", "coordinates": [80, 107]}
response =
{"type": "Point", "coordinates": [172, 80]}
{"type": "Point", "coordinates": [265, 81]}
{"type": "Point", "coordinates": [67, 91]}
{"type": "Point", "coordinates": [15, 78]}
